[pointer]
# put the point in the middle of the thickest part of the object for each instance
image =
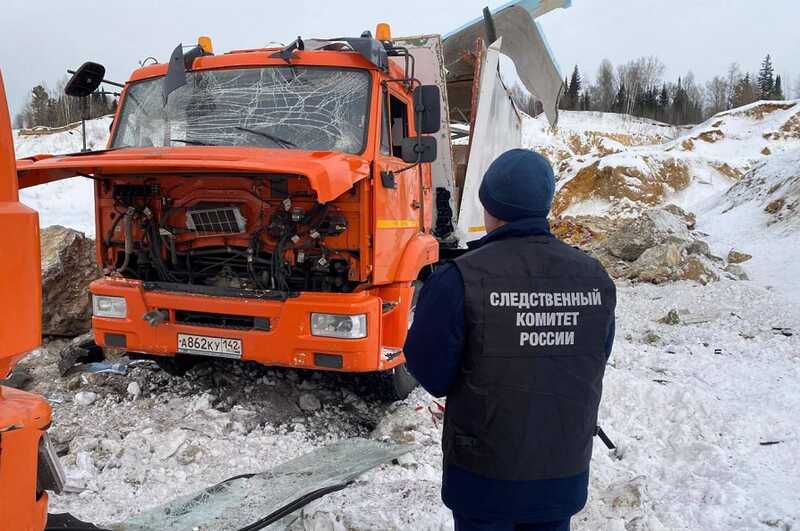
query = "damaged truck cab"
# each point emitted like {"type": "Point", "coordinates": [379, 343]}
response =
{"type": "Point", "coordinates": [271, 205]}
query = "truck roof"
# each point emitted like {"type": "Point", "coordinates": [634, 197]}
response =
{"type": "Point", "coordinates": [263, 57]}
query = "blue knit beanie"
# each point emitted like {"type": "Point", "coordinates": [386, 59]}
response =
{"type": "Point", "coordinates": [518, 184]}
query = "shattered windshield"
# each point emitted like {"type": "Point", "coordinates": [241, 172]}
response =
{"type": "Point", "coordinates": [290, 107]}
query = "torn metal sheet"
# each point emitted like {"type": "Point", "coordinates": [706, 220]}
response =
{"type": "Point", "coordinates": [523, 42]}
{"type": "Point", "coordinates": [254, 501]}
{"type": "Point", "coordinates": [498, 128]}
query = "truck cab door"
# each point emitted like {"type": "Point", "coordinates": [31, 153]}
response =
{"type": "Point", "coordinates": [397, 206]}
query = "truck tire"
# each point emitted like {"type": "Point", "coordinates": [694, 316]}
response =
{"type": "Point", "coordinates": [396, 383]}
{"type": "Point", "coordinates": [175, 365]}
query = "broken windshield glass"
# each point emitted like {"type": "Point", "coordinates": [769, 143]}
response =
{"type": "Point", "coordinates": [292, 107]}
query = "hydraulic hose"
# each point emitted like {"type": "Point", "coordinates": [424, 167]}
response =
{"type": "Point", "coordinates": [127, 227]}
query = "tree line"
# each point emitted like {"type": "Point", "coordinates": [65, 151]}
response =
{"type": "Point", "coordinates": [638, 88]}
{"type": "Point", "coordinates": [53, 108]}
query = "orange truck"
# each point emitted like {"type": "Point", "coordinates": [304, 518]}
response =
{"type": "Point", "coordinates": [28, 465]}
{"type": "Point", "coordinates": [281, 205]}
{"type": "Point", "coordinates": [278, 205]}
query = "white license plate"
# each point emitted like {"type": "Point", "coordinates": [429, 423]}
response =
{"type": "Point", "coordinates": [223, 347]}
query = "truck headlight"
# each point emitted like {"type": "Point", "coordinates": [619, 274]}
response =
{"type": "Point", "coordinates": [105, 306]}
{"type": "Point", "coordinates": [341, 326]}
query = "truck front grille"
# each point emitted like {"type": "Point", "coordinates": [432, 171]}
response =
{"type": "Point", "coordinates": [221, 320]}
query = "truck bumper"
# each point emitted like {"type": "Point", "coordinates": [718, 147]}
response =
{"type": "Point", "coordinates": [284, 338]}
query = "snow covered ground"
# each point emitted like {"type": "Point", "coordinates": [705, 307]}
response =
{"type": "Point", "coordinates": [70, 202]}
{"type": "Point", "coordinates": [705, 413]}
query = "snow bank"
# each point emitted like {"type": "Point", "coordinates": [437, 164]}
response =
{"type": "Point", "coordinates": [69, 202]}
{"type": "Point", "coordinates": [629, 163]}
{"type": "Point", "coordinates": [760, 215]}
{"type": "Point", "coordinates": [704, 416]}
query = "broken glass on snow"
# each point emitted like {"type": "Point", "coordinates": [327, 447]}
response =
{"type": "Point", "coordinates": [292, 107]}
{"type": "Point", "coordinates": [240, 502]}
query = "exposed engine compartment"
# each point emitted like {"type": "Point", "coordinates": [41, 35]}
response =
{"type": "Point", "coordinates": [263, 232]}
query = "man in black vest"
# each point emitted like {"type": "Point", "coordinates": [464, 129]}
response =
{"type": "Point", "coordinates": [516, 333]}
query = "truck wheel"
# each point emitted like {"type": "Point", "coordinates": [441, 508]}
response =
{"type": "Point", "coordinates": [175, 365]}
{"type": "Point", "coordinates": [396, 383]}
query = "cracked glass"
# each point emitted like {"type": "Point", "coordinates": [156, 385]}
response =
{"type": "Point", "coordinates": [284, 107]}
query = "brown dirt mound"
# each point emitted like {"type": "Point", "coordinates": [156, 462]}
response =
{"type": "Point", "coordinates": [712, 136]}
{"type": "Point", "coordinates": [759, 111]}
{"type": "Point", "coordinates": [792, 127]}
{"type": "Point", "coordinates": [616, 181]}
{"type": "Point", "coordinates": [728, 171]}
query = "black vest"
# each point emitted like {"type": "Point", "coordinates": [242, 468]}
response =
{"type": "Point", "coordinates": [524, 406]}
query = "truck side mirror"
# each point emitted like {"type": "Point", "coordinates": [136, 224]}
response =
{"type": "Point", "coordinates": [428, 109]}
{"type": "Point", "coordinates": [85, 80]}
{"type": "Point", "coordinates": [418, 149]}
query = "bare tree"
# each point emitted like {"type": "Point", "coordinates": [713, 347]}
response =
{"type": "Point", "coordinates": [717, 95]}
{"type": "Point", "coordinates": [734, 78]}
{"type": "Point", "coordinates": [638, 76]}
{"type": "Point", "coordinates": [606, 88]}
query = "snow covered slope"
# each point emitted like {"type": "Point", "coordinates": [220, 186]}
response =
{"type": "Point", "coordinates": [761, 216]}
{"type": "Point", "coordinates": [613, 164]}
{"type": "Point", "coordinates": [69, 202]}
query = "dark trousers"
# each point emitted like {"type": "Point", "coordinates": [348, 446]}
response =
{"type": "Point", "coordinates": [466, 523]}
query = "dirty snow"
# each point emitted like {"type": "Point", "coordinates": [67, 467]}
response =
{"type": "Point", "coordinates": [704, 415]}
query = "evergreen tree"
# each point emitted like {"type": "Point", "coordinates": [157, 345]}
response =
{"type": "Point", "coordinates": [586, 103]}
{"type": "Point", "coordinates": [680, 105]}
{"type": "Point", "coordinates": [621, 101]}
{"type": "Point", "coordinates": [574, 90]}
{"type": "Point", "coordinates": [744, 92]}
{"type": "Point", "coordinates": [564, 103]}
{"type": "Point", "coordinates": [777, 89]}
{"type": "Point", "coordinates": [766, 79]}
{"type": "Point", "coordinates": [662, 104]}
{"type": "Point", "coordinates": [40, 106]}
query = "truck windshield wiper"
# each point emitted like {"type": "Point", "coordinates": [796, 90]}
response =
{"type": "Point", "coordinates": [286, 144]}
{"type": "Point", "coordinates": [191, 142]}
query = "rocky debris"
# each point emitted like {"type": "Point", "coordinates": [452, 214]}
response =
{"type": "Point", "coordinates": [309, 402]}
{"type": "Point", "coordinates": [658, 246]}
{"type": "Point", "coordinates": [737, 272]}
{"type": "Point", "coordinates": [85, 398]}
{"type": "Point", "coordinates": [672, 318]}
{"type": "Point", "coordinates": [68, 267]}
{"type": "Point", "coordinates": [626, 493]}
{"type": "Point", "coordinates": [653, 227]}
{"type": "Point", "coordinates": [134, 390]}
{"type": "Point", "coordinates": [738, 257]}
{"type": "Point", "coordinates": [80, 349]}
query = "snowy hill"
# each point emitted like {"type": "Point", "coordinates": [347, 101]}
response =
{"type": "Point", "coordinates": [761, 214]}
{"type": "Point", "coordinates": [612, 164]}
{"type": "Point", "coordinates": [69, 202]}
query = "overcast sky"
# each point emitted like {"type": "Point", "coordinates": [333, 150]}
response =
{"type": "Point", "coordinates": [40, 39]}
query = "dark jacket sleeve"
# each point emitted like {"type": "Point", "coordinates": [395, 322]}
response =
{"type": "Point", "coordinates": [436, 339]}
